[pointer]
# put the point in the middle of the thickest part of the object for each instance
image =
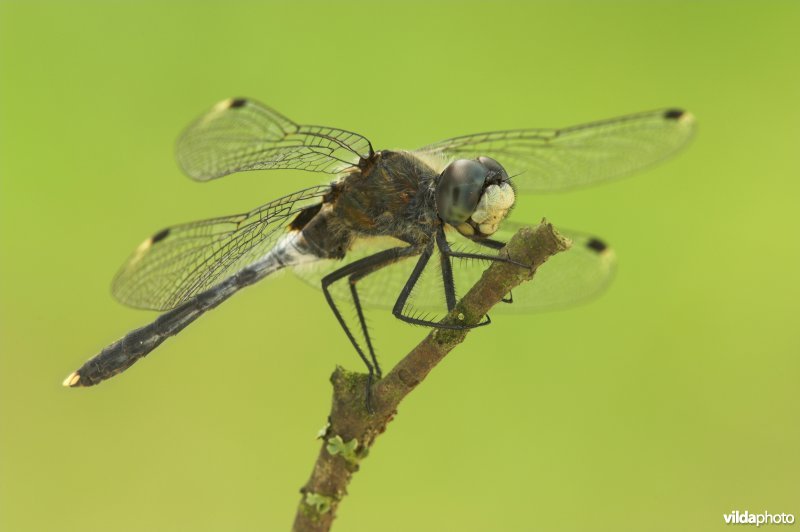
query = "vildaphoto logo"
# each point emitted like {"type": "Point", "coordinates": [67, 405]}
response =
{"type": "Point", "coordinates": [765, 518]}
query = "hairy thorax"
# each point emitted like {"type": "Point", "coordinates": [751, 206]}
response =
{"type": "Point", "coordinates": [393, 196]}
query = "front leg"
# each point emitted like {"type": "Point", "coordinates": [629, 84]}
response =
{"type": "Point", "coordinates": [445, 248]}
{"type": "Point", "coordinates": [449, 288]}
{"type": "Point", "coordinates": [496, 245]}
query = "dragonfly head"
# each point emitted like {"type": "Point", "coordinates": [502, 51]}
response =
{"type": "Point", "coordinates": [474, 195]}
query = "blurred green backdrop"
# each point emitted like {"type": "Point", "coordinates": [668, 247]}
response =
{"type": "Point", "coordinates": [671, 400]}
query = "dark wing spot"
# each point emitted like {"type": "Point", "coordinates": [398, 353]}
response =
{"type": "Point", "coordinates": [237, 102]}
{"type": "Point", "coordinates": [674, 114]}
{"type": "Point", "coordinates": [158, 237]}
{"type": "Point", "coordinates": [305, 216]}
{"type": "Point", "coordinates": [596, 245]}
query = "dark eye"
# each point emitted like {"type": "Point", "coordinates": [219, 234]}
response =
{"type": "Point", "coordinates": [459, 190]}
{"type": "Point", "coordinates": [496, 171]}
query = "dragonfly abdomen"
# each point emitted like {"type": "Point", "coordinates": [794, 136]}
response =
{"type": "Point", "coordinates": [135, 345]}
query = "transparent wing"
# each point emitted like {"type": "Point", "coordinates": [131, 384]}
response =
{"type": "Point", "coordinates": [567, 279]}
{"type": "Point", "coordinates": [240, 134]}
{"type": "Point", "coordinates": [570, 278]}
{"type": "Point", "coordinates": [382, 288]}
{"type": "Point", "coordinates": [548, 160]}
{"type": "Point", "coordinates": [181, 261]}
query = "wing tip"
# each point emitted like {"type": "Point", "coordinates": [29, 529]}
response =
{"type": "Point", "coordinates": [602, 250]}
{"type": "Point", "coordinates": [230, 103]}
{"type": "Point", "coordinates": [679, 115]}
{"type": "Point", "coordinates": [596, 245]}
{"type": "Point", "coordinates": [235, 103]}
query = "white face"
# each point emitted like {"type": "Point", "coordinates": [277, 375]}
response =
{"type": "Point", "coordinates": [494, 205]}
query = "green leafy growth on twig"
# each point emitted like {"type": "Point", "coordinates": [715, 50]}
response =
{"type": "Point", "coordinates": [320, 503]}
{"type": "Point", "coordinates": [346, 450]}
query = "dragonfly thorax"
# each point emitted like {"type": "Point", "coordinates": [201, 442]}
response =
{"type": "Point", "coordinates": [474, 195]}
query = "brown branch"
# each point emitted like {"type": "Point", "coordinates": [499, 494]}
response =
{"type": "Point", "coordinates": [352, 430]}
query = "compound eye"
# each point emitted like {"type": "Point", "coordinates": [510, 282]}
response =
{"type": "Point", "coordinates": [496, 171]}
{"type": "Point", "coordinates": [459, 190]}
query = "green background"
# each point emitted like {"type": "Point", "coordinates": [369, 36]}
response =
{"type": "Point", "coordinates": [661, 406]}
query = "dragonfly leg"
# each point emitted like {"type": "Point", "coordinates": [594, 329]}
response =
{"type": "Point", "coordinates": [445, 248]}
{"type": "Point", "coordinates": [356, 271]}
{"type": "Point", "coordinates": [363, 322]}
{"type": "Point", "coordinates": [447, 272]}
{"type": "Point", "coordinates": [405, 293]}
{"type": "Point", "coordinates": [496, 245]}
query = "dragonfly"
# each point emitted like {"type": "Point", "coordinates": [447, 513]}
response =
{"type": "Point", "coordinates": [394, 229]}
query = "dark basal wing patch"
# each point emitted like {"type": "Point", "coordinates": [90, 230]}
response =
{"type": "Point", "coordinates": [237, 102]}
{"type": "Point", "coordinates": [304, 217]}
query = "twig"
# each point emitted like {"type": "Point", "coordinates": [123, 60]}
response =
{"type": "Point", "coordinates": [352, 430]}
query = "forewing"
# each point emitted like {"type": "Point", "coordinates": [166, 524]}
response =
{"type": "Point", "coordinates": [549, 160]}
{"type": "Point", "coordinates": [181, 261]}
{"type": "Point", "coordinates": [240, 134]}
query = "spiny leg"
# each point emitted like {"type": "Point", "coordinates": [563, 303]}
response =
{"type": "Point", "coordinates": [445, 248]}
{"type": "Point", "coordinates": [353, 280]}
{"type": "Point", "coordinates": [496, 245]}
{"type": "Point", "coordinates": [447, 272]}
{"type": "Point", "coordinates": [405, 293]}
{"type": "Point", "coordinates": [365, 265]}
{"type": "Point", "coordinates": [363, 322]}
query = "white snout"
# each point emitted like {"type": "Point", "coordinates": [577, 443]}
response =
{"type": "Point", "coordinates": [493, 207]}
